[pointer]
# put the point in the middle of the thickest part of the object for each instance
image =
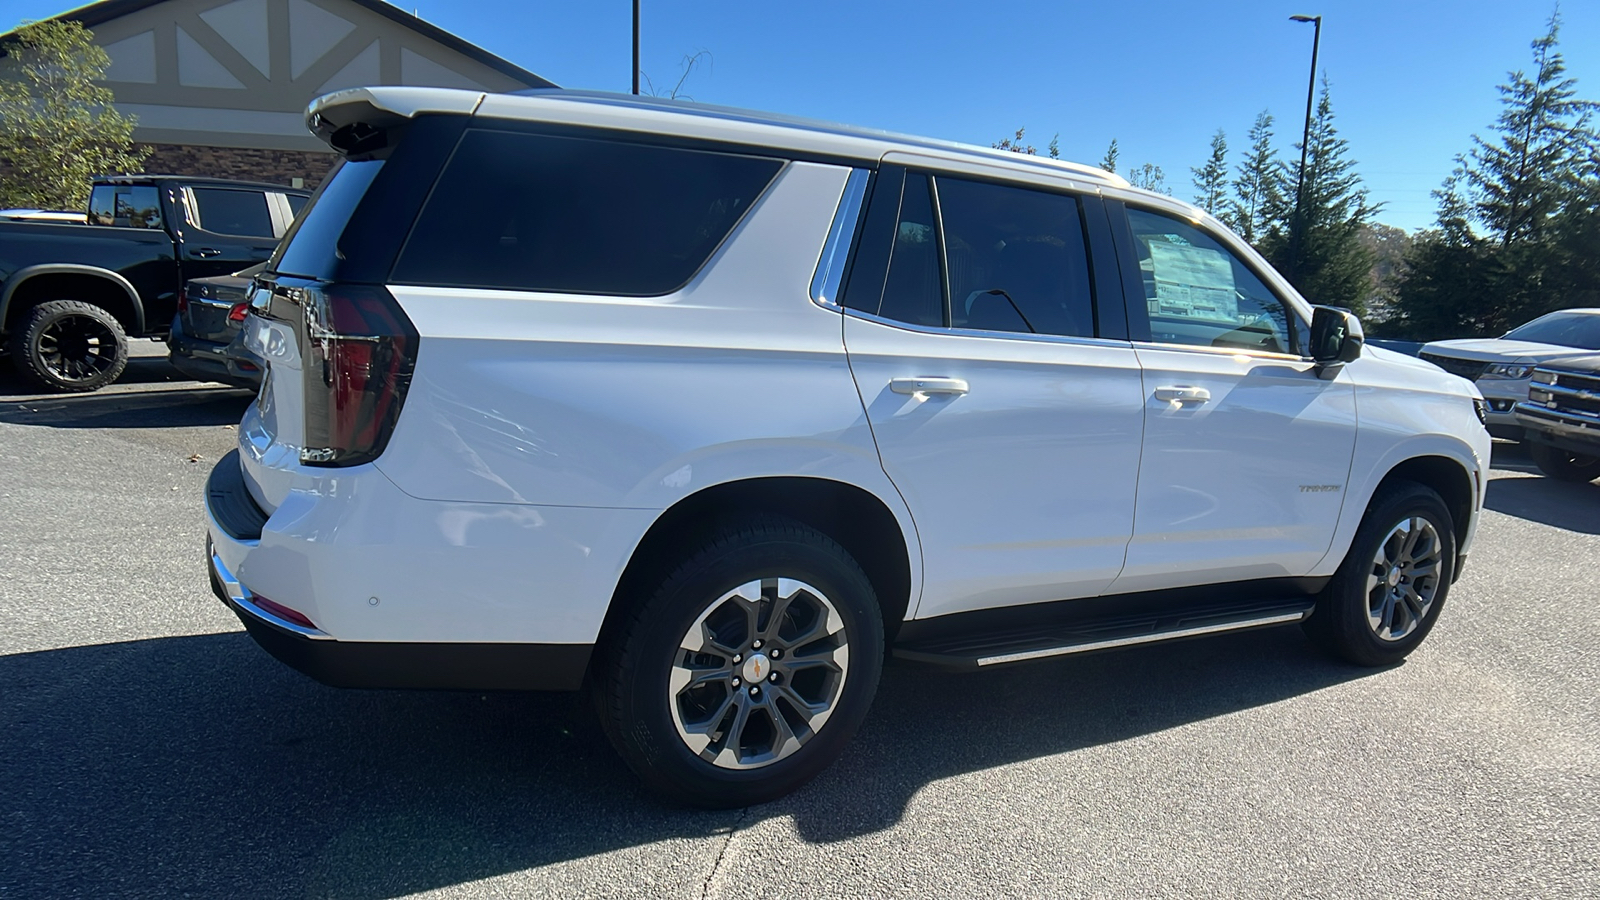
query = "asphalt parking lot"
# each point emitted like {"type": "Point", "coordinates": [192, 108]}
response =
{"type": "Point", "coordinates": [148, 748]}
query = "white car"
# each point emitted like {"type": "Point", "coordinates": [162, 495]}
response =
{"type": "Point", "coordinates": [1503, 366]}
{"type": "Point", "coordinates": [711, 412]}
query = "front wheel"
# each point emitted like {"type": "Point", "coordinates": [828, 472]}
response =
{"type": "Point", "coordinates": [1388, 592]}
{"type": "Point", "coordinates": [749, 669]}
{"type": "Point", "coordinates": [1564, 464]}
{"type": "Point", "coordinates": [69, 346]}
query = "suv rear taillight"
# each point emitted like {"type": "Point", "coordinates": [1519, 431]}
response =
{"type": "Point", "coordinates": [359, 352]}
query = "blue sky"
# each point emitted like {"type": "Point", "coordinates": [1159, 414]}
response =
{"type": "Point", "coordinates": [1412, 80]}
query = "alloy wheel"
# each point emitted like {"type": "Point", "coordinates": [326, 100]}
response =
{"type": "Point", "coordinates": [758, 673]}
{"type": "Point", "coordinates": [1404, 578]}
{"type": "Point", "coordinates": [77, 348]}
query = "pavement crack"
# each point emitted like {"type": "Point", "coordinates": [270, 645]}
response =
{"type": "Point", "coordinates": [716, 865]}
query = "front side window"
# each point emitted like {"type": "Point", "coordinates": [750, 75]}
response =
{"type": "Point", "coordinates": [1016, 258]}
{"type": "Point", "coordinates": [1197, 292]}
{"type": "Point", "coordinates": [226, 211]}
{"type": "Point", "coordinates": [577, 215]}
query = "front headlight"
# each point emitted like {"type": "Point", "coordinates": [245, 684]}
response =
{"type": "Point", "coordinates": [1508, 370]}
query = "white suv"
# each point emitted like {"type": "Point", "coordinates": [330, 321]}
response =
{"type": "Point", "coordinates": [711, 412]}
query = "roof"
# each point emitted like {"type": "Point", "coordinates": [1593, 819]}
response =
{"type": "Point", "coordinates": [97, 13]}
{"type": "Point", "coordinates": [651, 114]}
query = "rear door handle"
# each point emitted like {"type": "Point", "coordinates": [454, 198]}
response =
{"type": "Point", "coordinates": [204, 252]}
{"type": "Point", "coordinates": [928, 385]}
{"type": "Point", "coordinates": [1173, 393]}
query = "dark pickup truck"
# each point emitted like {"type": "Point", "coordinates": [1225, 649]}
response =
{"type": "Point", "coordinates": [71, 295]}
{"type": "Point", "coordinates": [1561, 417]}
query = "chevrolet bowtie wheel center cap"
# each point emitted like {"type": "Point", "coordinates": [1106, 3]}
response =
{"type": "Point", "coordinates": [756, 668]}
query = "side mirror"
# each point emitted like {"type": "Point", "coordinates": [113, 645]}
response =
{"type": "Point", "coordinates": [1336, 336]}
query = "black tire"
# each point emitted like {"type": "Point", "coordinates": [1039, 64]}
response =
{"type": "Point", "coordinates": [67, 346]}
{"type": "Point", "coordinates": [1342, 623]}
{"type": "Point", "coordinates": [641, 713]}
{"type": "Point", "coordinates": [1564, 465]}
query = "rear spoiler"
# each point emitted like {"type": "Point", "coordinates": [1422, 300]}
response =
{"type": "Point", "coordinates": [356, 121]}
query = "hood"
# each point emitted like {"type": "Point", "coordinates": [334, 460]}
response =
{"type": "Point", "coordinates": [1498, 350]}
{"type": "Point", "coordinates": [1588, 364]}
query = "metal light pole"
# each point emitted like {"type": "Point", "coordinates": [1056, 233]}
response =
{"type": "Point", "coordinates": [1305, 143]}
{"type": "Point", "coordinates": [636, 48]}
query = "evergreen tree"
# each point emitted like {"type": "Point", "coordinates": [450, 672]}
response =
{"type": "Point", "coordinates": [58, 128]}
{"type": "Point", "coordinates": [1520, 181]}
{"type": "Point", "coordinates": [1331, 265]}
{"type": "Point", "coordinates": [1256, 187]}
{"type": "Point", "coordinates": [1150, 177]}
{"type": "Point", "coordinates": [1109, 163]}
{"type": "Point", "coordinates": [1518, 229]}
{"type": "Point", "coordinates": [1211, 179]}
{"type": "Point", "coordinates": [1015, 144]}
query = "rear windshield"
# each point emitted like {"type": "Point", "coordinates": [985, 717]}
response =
{"type": "Point", "coordinates": [310, 249]}
{"type": "Point", "coordinates": [1562, 329]}
{"type": "Point", "coordinates": [576, 215]}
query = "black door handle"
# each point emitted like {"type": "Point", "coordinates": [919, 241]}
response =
{"type": "Point", "coordinates": [205, 252]}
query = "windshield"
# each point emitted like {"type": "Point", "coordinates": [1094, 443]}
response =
{"type": "Point", "coordinates": [1567, 329]}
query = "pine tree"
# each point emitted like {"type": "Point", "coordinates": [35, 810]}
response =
{"type": "Point", "coordinates": [1330, 266]}
{"type": "Point", "coordinates": [1518, 231]}
{"type": "Point", "coordinates": [58, 128]}
{"type": "Point", "coordinates": [1015, 144]}
{"type": "Point", "coordinates": [1150, 177]}
{"type": "Point", "coordinates": [1520, 181]}
{"type": "Point", "coordinates": [1109, 163]}
{"type": "Point", "coordinates": [1255, 189]}
{"type": "Point", "coordinates": [1211, 179]}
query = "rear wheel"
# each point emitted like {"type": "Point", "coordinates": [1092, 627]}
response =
{"type": "Point", "coordinates": [1391, 586]}
{"type": "Point", "coordinates": [1564, 464]}
{"type": "Point", "coordinates": [749, 669]}
{"type": "Point", "coordinates": [67, 345]}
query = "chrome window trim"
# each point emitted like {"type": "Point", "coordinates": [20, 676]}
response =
{"type": "Point", "coordinates": [836, 250]}
{"type": "Point", "coordinates": [978, 333]}
{"type": "Point", "coordinates": [1222, 351]}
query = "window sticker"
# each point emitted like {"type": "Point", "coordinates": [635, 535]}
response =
{"type": "Point", "coordinates": [1193, 282]}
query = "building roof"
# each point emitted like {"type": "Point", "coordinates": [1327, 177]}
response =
{"type": "Point", "coordinates": [95, 14]}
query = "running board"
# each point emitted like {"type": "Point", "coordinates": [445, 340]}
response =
{"type": "Point", "coordinates": [980, 650]}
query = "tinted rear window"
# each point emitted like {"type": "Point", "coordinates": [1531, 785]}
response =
{"type": "Point", "coordinates": [576, 215]}
{"type": "Point", "coordinates": [310, 248]}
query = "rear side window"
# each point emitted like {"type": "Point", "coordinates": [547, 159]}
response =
{"type": "Point", "coordinates": [224, 211]}
{"type": "Point", "coordinates": [913, 291]}
{"type": "Point", "coordinates": [1017, 259]}
{"type": "Point", "coordinates": [577, 215]}
{"type": "Point", "coordinates": [125, 206]}
{"type": "Point", "coordinates": [310, 249]}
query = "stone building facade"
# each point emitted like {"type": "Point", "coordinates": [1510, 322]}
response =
{"type": "Point", "coordinates": [219, 88]}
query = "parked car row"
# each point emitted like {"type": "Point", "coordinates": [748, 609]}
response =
{"type": "Point", "coordinates": [1503, 367]}
{"type": "Point", "coordinates": [71, 295]}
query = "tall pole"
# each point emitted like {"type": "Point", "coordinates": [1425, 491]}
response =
{"type": "Point", "coordinates": [1305, 144]}
{"type": "Point", "coordinates": [636, 48]}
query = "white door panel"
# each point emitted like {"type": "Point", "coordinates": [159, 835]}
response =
{"type": "Point", "coordinates": [1018, 458]}
{"type": "Point", "coordinates": [1244, 467]}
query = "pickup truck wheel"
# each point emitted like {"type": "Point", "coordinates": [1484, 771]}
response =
{"type": "Point", "coordinates": [749, 669]}
{"type": "Point", "coordinates": [1564, 464]}
{"type": "Point", "coordinates": [66, 345]}
{"type": "Point", "coordinates": [1391, 586]}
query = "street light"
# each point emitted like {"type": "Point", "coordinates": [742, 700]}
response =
{"type": "Point", "coordinates": [636, 49]}
{"type": "Point", "coordinates": [1305, 142]}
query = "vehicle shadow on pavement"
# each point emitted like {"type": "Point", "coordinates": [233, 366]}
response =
{"type": "Point", "coordinates": [1559, 504]}
{"type": "Point", "coordinates": [176, 407]}
{"type": "Point", "coordinates": [198, 765]}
